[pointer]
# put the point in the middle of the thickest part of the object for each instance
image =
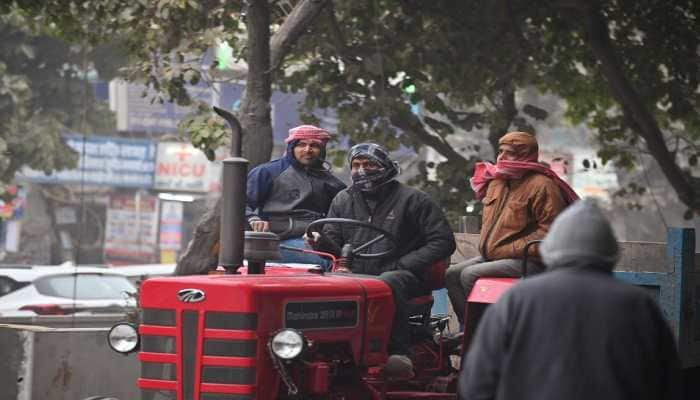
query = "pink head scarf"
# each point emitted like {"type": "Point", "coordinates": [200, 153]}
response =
{"type": "Point", "coordinates": [527, 150]}
{"type": "Point", "coordinates": [308, 132]}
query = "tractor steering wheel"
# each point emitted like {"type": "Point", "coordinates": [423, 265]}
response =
{"type": "Point", "coordinates": [356, 252]}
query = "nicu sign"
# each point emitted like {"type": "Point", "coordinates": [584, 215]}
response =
{"type": "Point", "coordinates": [181, 167]}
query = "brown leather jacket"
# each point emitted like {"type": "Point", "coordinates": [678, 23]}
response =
{"type": "Point", "coordinates": [517, 212]}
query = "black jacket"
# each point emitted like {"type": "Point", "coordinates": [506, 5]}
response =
{"type": "Point", "coordinates": [419, 226]}
{"type": "Point", "coordinates": [573, 333]}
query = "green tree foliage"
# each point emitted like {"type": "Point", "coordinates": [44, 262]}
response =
{"type": "Point", "coordinates": [375, 61]}
{"type": "Point", "coordinates": [167, 42]}
{"type": "Point", "coordinates": [43, 92]}
{"type": "Point", "coordinates": [633, 77]}
{"type": "Point", "coordinates": [628, 70]}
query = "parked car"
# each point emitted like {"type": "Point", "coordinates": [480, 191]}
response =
{"type": "Point", "coordinates": [63, 290]}
{"type": "Point", "coordinates": [139, 273]}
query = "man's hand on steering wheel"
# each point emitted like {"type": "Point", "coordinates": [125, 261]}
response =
{"type": "Point", "coordinates": [312, 239]}
{"type": "Point", "coordinates": [313, 236]}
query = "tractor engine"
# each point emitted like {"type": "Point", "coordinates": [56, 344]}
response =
{"type": "Point", "coordinates": [260, 336]}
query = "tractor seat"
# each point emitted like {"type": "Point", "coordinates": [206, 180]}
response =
{"type": "Point", "coordinates": [489, 290]}
{"type": "Point", "coordinates": [422, 301]}
{"type": "Point", "coordinates": [419, 309]}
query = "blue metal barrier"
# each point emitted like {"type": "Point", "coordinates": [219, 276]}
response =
{"type": "Point", "coordinates": [678, 292]}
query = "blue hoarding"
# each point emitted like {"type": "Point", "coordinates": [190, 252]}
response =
{"type": "Point", "coordinates": [105, 161]}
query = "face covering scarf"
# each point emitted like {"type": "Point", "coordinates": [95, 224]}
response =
{"type": "Point", "coordinates": [485, 172]}
{"type": "Point", "coordinates": [368, 181]}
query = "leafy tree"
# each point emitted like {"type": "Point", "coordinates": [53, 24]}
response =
{"type": "Point", "coordinates": [627, 69]}
{"type": "Point", "coordinates": [43, 92]}
{"type": "Point", "coordinates": [29, 128]}
{"type": "Point", "coordinates": [167, 41]}
{"type": "Point", "coordinates": [376, 62]}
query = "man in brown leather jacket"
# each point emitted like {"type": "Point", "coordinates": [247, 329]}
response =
{"type": "Point", "coordinates": [521, 198]}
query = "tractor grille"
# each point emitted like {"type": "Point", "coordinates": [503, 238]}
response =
{"type": "Point", "coordinates": [176, 344]}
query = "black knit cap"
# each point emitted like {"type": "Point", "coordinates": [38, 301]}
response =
{"type": "Point", "coordinates": [375, 153]}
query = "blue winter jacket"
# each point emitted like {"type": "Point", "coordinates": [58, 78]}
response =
{"type": "Point", "coordinates": [288, 195]}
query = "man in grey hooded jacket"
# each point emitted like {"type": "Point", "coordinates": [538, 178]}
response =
{"type": "Point", "coordinates": [574, 332]}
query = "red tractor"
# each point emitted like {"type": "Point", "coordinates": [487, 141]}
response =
{"type": "Point", "coordinates": [271, 331]}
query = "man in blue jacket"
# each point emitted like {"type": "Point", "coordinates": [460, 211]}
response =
{"type": "Point", "coordinates": [286, 194]}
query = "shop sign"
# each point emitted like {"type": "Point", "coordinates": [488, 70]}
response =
{"type": "Point", "coordinates": [103, 161]}
{"type": "Point", "coordinates": [131, 229]}
{"type": "Point", "coordinates": [181, 167]}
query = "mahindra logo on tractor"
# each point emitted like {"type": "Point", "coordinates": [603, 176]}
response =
{"type": "Point", "coordinates": [191, 295]}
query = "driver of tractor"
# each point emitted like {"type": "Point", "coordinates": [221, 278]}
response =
{"type": "Point", "coordinates": [286, 194]}
{"type": "Point", "coordinates": [422, 235]}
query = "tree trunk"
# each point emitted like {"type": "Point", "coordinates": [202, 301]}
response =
{"type": "Point", "coordinates": [265, 55]}
{"type": "Point", "coordinates": [641, 118]}
{"type": "Point", "coordinates": [255, 103]}
{"type": "Point", "coordinates": [201, 254]}
{"type": "Point", "coordinates": [504, 114]}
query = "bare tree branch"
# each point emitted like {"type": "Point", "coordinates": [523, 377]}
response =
{"type": "Point", "coordinates": [297, 22]}
{"type": "Point", "coordinates": [504, 114]}
{"type": "Point", "coordinates": [336, 33]}
{"type": "Point", "coordinates": [413, 126]}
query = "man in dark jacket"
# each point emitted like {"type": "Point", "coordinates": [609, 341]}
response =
{"type": "Point", "coordinates": [574, 332]}
{"type": "Point", "coordinates": [286, 194]}
{"type": "Point", "coordinates": [422, 232]}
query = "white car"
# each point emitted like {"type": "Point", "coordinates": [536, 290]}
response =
{"type": "Point", "coordinates": [139, 273]}
{"type": "Point", "coordinates": [62, 290]}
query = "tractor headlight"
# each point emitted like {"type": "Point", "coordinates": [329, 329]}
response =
{"type": "Point", "coordinates": [123, 338]}
{"type": "Point", "coordinates": [287, 344]}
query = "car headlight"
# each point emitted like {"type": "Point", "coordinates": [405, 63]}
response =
{"type": "Point", "coordinates": [287, 344]}
{"type": "Point", "coordinates": [123, 338]}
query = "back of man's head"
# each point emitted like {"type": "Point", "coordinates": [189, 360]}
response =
{"type": "Point", "coordinates": [581, 235]}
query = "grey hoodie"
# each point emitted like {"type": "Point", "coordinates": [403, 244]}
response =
{"type": "Point", "coordinates": [574, 332]}
{"type": "Point", "coordinates": [581, 235]}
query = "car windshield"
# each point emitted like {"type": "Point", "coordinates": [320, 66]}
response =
{"type": "Point", "coordinates": [85, 286]}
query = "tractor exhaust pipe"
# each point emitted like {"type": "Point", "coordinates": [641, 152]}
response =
{"type": "Point", "coordinates": [233, 224]}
